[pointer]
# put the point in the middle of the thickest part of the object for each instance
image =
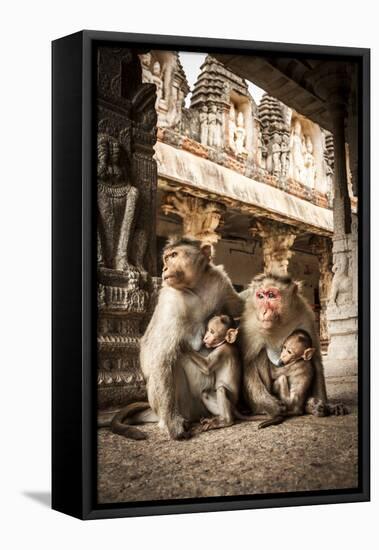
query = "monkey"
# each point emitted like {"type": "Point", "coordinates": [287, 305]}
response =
{"type": "Point", "coordinates": [274, 308]}
{"type": "Point", "coordinates": [192, 289]}
{"type": "Point", "coordinates": [293, 375]}
{"type": "Point", "coordinates": [223, 364]}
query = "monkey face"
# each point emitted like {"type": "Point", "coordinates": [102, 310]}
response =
{"type": "Point", "coordinates": [183, 265]}
{"type": "Point", "coordinates": [269, 305]}
{"type": "Point", "coordinates": [216, 333]}
{"type": "Point", "coordinates": [293, 350]}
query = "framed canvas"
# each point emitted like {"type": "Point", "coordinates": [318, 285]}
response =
{"type": "Point", "coordinates": [180, 385]}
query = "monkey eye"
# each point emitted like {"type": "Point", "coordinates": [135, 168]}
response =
{"type": "Point", "coordinates": [271, 295]}
{"type": "Point", "coordinates": [260, 295]}
{"type": "Point", "coordinates": [173, 254]}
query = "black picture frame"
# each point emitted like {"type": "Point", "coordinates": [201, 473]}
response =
{"type": "Point", "coordinates": [74, 277]}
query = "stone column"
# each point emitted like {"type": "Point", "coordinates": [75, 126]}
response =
{"type": "Point", "coordinates": [322, 248]}
{"type": "Point", "coordinates": [342, 312]}
{"type": "Point", "coordinates": [126, 189]}
{"type": "Point", "coordinates": [277, 240]}
{"type": "Point", "coordinates": [200, 217]}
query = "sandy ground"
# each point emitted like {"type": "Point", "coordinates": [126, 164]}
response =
{"type": "Point", "coordinates": [304, 453]}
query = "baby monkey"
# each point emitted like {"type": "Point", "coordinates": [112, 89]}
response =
{"type": "Point", "coordinates": [293, 376]}
{"type": "Point", "coordinates": [223, 364]}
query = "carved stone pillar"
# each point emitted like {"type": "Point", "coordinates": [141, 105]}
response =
{"type": "Point", "coordinates": [277, 240]}
{"type": "Point", "coordinates": [126, 188]}
{"type": "Point", "coordinates": [200, 217]}
{"type": "Point", "coordinates": [342, 310]}
{"type": "Point", "coordinates": [322, 248]}
{"type": "Point", "coordinates": [335, 86]}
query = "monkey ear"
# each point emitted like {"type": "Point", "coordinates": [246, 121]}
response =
{"type": "Point", "coordinates": [207, 250]}
{"type": "Point", "coordinates": [298, 287]}
{"type": "Point", "coordinates": [308, 354]}
{"type": "Point", "coordinates": [231, 335]}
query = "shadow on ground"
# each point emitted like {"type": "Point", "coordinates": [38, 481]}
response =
{"type": "Point", "coordinates": [303, 454]}
{"type": "Point", "coordinates": [42, 497]}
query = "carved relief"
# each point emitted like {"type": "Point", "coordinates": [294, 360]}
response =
{"type": "Point", "coordinates": [117, 201]}
{"type": "Point", "coordinates": [240, 134]}
{"type": "Point", "coordinates": [274, 136]}
{"type": "Point", "coordinates": [341, 284]}
{"type": "Point", "coordinates": [126, 186]}
{"type": "Point", "coordinates": [277, 240]}
{"type": "Point", "coordinates": [200, 218]}
{"type": "Point", "coordinates": [322, 248]}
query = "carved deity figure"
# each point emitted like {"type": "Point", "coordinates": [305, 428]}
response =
{"type": "Point", "coordinates": [117, 201]}
{"type": "Point", "coordinates": [203, 118]}
{"type": "Point", "coordinates": [309, 163]}
{"type": "Point", "coordinates": [212, 126]}
{"type": "Point", "coordinates": [276, 154]}
{"type": "Point", "coordinates": [157, 80]}
{"type": "Point", "coordinates": [284, 155]}
{"type": "Point", "coordinates": [232, 128]}
{"type": "Point", "coordinates": [147, 75]}
{"type": "Point", "coordinates": [240, 134]}
{"type": "Point", "coordinates": [296, 147]}
{"type": "Point", "coordinates": [341, 283]}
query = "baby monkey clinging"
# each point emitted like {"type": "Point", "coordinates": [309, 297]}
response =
{"type": "Point", "coordinates": [293, 376]}
{"type": "Point", "coordinates": [224, 364]}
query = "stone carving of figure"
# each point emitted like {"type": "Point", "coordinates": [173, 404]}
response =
{"type": "Point", "coordinates": [157, 80]}
{"type": "Point", "coordinates": [212, 126]}
{"type": "Point", "coordinates": [180, 104]}
{"type": "Point", "coordinates": [147, 75]}
{"type": "Point", "coordinates": [276, 154]}
{"type": "Point", "coordinates": [117, 201]}
{"type": "Point", "coordinates": [340, 283]}
{"type": "Point", "coordinates": [232, 128]}
{"type": "Point", "coordinates": [203, 118]}
{"type": "Point", "coordinates": [284, 155]}
{"type": "Point", "coordinates": [240, 134]}
{"type": "Point", "coordinates": [296, 147]}
{"type": "Point", "coordinates": [309, 163]}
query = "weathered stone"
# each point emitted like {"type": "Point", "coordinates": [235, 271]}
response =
{"type": "Point", "coordinates": [200, 218]}
{"type": "Point", "coordinates": [126, 186]}
{"type": "Point", "coordinates": [277, 240]}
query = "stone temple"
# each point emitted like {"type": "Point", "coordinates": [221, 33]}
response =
{"type": "Point", "coordinates": [271, 185]}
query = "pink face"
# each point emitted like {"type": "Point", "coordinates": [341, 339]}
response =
{"type": "Point", "coordinates": [269, 305]}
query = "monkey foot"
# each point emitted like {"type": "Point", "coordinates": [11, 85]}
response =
{"type": "Point", "coordinates": [179, 428]}
{"type": "Point", "coordinates": [276, 408]}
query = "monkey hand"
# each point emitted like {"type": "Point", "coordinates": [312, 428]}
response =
{"type": "Point", "coordinates": [178, 428]}
{"type": "Point", "coordinates": [274, 407]}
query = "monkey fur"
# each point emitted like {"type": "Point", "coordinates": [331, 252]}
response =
{"type": "Point", "coordinates": [275, 308]}
{"type": "Point", "coordinates": [192, 289]}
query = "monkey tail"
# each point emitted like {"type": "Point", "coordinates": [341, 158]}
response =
{"type": "Point", "coordinates": [119, 424]}
{"type": "Point", "coordinates": [271, 422]}
{"type": "Point", "coordinates": [249, 417]}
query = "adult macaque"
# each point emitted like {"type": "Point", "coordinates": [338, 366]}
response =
{"type": "Point", "coordinates": [293, 376]}
{"type": "Point", "coordinates": [223, 364]}
{"type": "Point", "coordinates": [192, 289]}
{"type": "Point", "coordinates": [274, 309]}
